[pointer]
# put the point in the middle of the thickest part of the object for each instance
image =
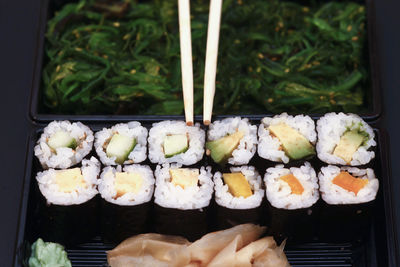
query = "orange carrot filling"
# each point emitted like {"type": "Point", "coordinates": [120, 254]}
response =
{"type": "Point", "coordinates": [349, 183]}
{"type": "Point", "coordinates": [294, 184]}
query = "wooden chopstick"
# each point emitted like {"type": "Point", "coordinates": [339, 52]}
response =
{"type": "Point", "coordinates": [186, 58]}
{"type": "Point", "coordinates": [210, 72]}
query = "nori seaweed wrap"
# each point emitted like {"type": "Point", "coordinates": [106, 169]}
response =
{"type": "Point", "coordinates": [292, 194]}
{"type": "Point", "coordinates": [182, 196]}
{"type": "Point", "coordinates": [68, 206]}
{"type": "Point", "coordinates": [238, 197]}
{"type": "Point", "coordinates": [126, 201]}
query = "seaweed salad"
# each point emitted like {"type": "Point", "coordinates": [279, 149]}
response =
{"type": "Point", "coordinates": [123, 57]}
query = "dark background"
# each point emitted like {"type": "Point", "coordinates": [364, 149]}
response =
{"type": "Point", "coordinates": [18, 28]}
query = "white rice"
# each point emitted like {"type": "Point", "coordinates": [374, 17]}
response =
{"type": "Point", "coordinates": [331, 127]}
{"type": "Point", "coordinates": [279, 193]}
{"type": "Point", "coordinates": [130, 129]}
{"type": "Point", "coordinates": [160, 130]}
{"type": "Point", "coordinates": [248, 144]}
{"type": "Point", "coordinates": [168, 195]}
{"type": "Point", "coordinates": [224, 198]}
{"type": "Point", "coordinates": [64, 157]}
{"type": "Point", "coordinates": [334, 194]}
{"type": "Point", "coordinates": [107, 185]}
{"type": "Point", "coordinates": [46, 180]}
{"type": "Point", "coordinates": [269, 146]}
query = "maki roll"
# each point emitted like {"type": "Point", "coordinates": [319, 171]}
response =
{"type": "Point", "coordinates": [232, 140]}
{"type": "Point", "coordinates": [68, 204]}
{"type": "Point", "coordinates": [291, 193]}
{"type": "Point", "coordinates": [183, 188]}
{"type": "Point", "coordinates": [240, 189]}
{"type": "Point", "coordinates": [238, 196]}
{"type": "Point", "coordinates": [63, 144]}
{"type": "Point", "coordinates": [294, 188]}
{"type": "Point", "coordinates": [182, 196]}
{"type": "Point", "coordinates": [132, 186]}
{"type": "Point", "coordinates": [176, 142]}
{"type": "Point", "coordinates": [348, 194]}
{"type": "Point", "coordinates": [70, 186]}
{"type": "Point", "coordinates": [347, 185]}
{"type": "Point", "coordinates": [126, 199]}
{"type": "Point", "coordinates": [284, 138]}
{"type": "Point", "coordinates": [344, 139]}
{"type": "Point", "coordinates": [124, 143]}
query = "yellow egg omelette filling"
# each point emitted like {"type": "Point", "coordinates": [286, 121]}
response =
{"type": "Point", "coordinates": [69, 180]}
{"type": "Point", "coordinates": [237, 184]}
{"type": "Point", "coordinates": [184, 177]}
{"type": "Point", "coordinates": [127, 182]}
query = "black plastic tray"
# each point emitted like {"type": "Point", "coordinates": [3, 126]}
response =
{"type": "Point", "coordinates": [377, 247]}
{"type": "Point", "coordinates": [37, 113]}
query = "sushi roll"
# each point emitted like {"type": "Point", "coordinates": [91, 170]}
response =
{"type": "Point", "coordinates": [348, 194]}
{"type": "Point", "coordinates": [183, 188]}
{"type": "Point", "coordinates": [63, 144]}
{"type": "Point", "coordinates": [284, 138]}
{"type": "Point", "coordinates": [291, 193]}
{"type": "Point", "coordinates": [123, 143]}
{"type": "Point", "coordinates": [232, 140]}
{"type": "Point", "coordinates": [126, 196]}
{"type": "Point", "coordinates": [347, 185]}
{"type": "Point", "coordinates": [175, 142]}
{"type": "Point", "coordinates": [238, 196]}
{"type": "Point", "coordinates": [240, 189]}
{"type": "Point", "coordinates": [132, 186]}
{"type": "Point", "coordinates": [71, 186]}
{"type": "Point", "coordinates": [68, 205]}
{"type": "Point", "coordinates": [344, 139]}
{"type": "Point", "coordinates": [182, 197]}
{"type": "Point", "coordinates": [294, 188]}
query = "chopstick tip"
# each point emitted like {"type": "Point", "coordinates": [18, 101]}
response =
{"type": "Point", "coordinates": [189, 123]}
{"type": "Point", "coordinates": [206, 122]}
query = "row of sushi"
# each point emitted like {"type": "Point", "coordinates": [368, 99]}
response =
{"type": "Point", "coordinates": [343, 139]}
{"type": "Point", "coordinates": [180, 200]}
{"type": "Point", "coordinates": [192, 188]}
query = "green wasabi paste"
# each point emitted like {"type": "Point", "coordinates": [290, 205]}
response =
{"type": "Point", "coordinates": [47, 254]}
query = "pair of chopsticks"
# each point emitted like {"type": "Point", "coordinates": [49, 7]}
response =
{"type": "Point", "coordinates": [210, 72]}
